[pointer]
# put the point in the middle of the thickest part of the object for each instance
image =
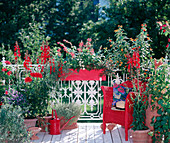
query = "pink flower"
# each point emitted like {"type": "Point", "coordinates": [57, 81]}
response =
{"type": "Point", "coordinates": [164, 30]}
{"type": "Point", "coordinates": [65, 61]}
{"type": "Point", "coordinates": [6, 92]}
{"type": "Point", "coordinates": [59, 50]}
{"type": "Point", "coordinates": [92, 51]}
{"type": "Point", "coordinates": [79, 49]}
{"type": "Point", "coordinates": [89, 39]}
{"type": "Point", "coordinates": [164, 25]}
{"type": "Point", "coordinates": [65, 49]}
{"type": "Point", "coordinates": [168, 39]}
{"type": "Point", "coordinates": [59, 54]}
{"type": "Point", "coordinates": [72, 54]}
{"type": "Point", "coordinates": [81, 44]}
{"type": "Point", "coordinates": [160, 27]}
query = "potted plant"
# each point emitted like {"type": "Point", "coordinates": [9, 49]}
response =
{"type": "Point", "coordinates": [12, 127]}
{"type": "Point", "coordinates": [67, 110]}
{"type": "Point", "coordinates": [138, 57]}
{"type": "Point", "coordinates": [158, 90]}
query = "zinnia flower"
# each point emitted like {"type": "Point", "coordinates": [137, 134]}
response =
{"type": "Point", "coordinates": [28, 79]}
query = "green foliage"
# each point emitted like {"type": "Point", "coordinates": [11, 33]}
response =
{"type": "Point", "coordinates": [123, 48]}
{"type": "Point", "coordinates": [32, 37]}
{"type": "Point", "coordinates": [139, 115]}
{"type": "Point", "coordinates": [68, 110]}
{"type": "Point", "coordinates": [37, 96]}
{"type": "Point", "coordinates": [12, 128]}
{"type": "Point", "coordinates": [158, 88]}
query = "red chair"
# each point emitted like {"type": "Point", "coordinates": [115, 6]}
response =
{"type": "Point", "coordinates": [121, 117]}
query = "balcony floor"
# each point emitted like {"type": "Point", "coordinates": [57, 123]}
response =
{"type": "Point", "coordinates": [85, 133]}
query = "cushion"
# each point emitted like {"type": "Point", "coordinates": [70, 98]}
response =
{"type": "Point", "coordinates": [119, 93]}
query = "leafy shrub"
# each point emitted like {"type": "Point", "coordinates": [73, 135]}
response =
{"type": "Point", "coordinates": [12, 126]}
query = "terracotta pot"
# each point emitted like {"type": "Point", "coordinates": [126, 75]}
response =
{"type": "Point", "coordinates": [140, 136]}
{"type": "Point", "coordinates": [43, 122]}
{"type": "Point", "coordinates": [30, 122]}
{"type": "Point", "coordinates": [68, 126]}
{"type": "Point", "coordinates": [151, 113]}
{"type": "Point", "coordinates": [34, 131]}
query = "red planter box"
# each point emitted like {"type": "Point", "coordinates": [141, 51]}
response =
{"type": "Point", "coordinates": [85, 75]}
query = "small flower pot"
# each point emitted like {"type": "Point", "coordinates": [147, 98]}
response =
{"type": "Point", "coordinates": [34, 131]}
{"type": "Point", "coordinates": [30, 122]}
{"type": "Point", "coordinates": [140, 136]}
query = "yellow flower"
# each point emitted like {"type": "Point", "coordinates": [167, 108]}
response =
{"type": "Point", "coordinates": [121, 49]}
{"type": "Point", "coordinates": [166, 86]}
{"type": "Point", "coordinates": [131, 39]}
{"type": "Point", "coordinates": [156, 98]}
{"type": "Point", "coordinates": [154, 82]}
{"type": "Point", "coordinates": [116, 30]}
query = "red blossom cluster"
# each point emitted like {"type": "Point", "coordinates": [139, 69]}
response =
{"type": "Point", "coordinates": [38, 75]}
{"type": "Point", "coordinates": [16, 51]}
{"type": "Point", "coordinates": [8, 73]}
{"type": "Point", "coordinates": [28, 79]}
{"type": "Point", "coordinates": [133, 61]}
